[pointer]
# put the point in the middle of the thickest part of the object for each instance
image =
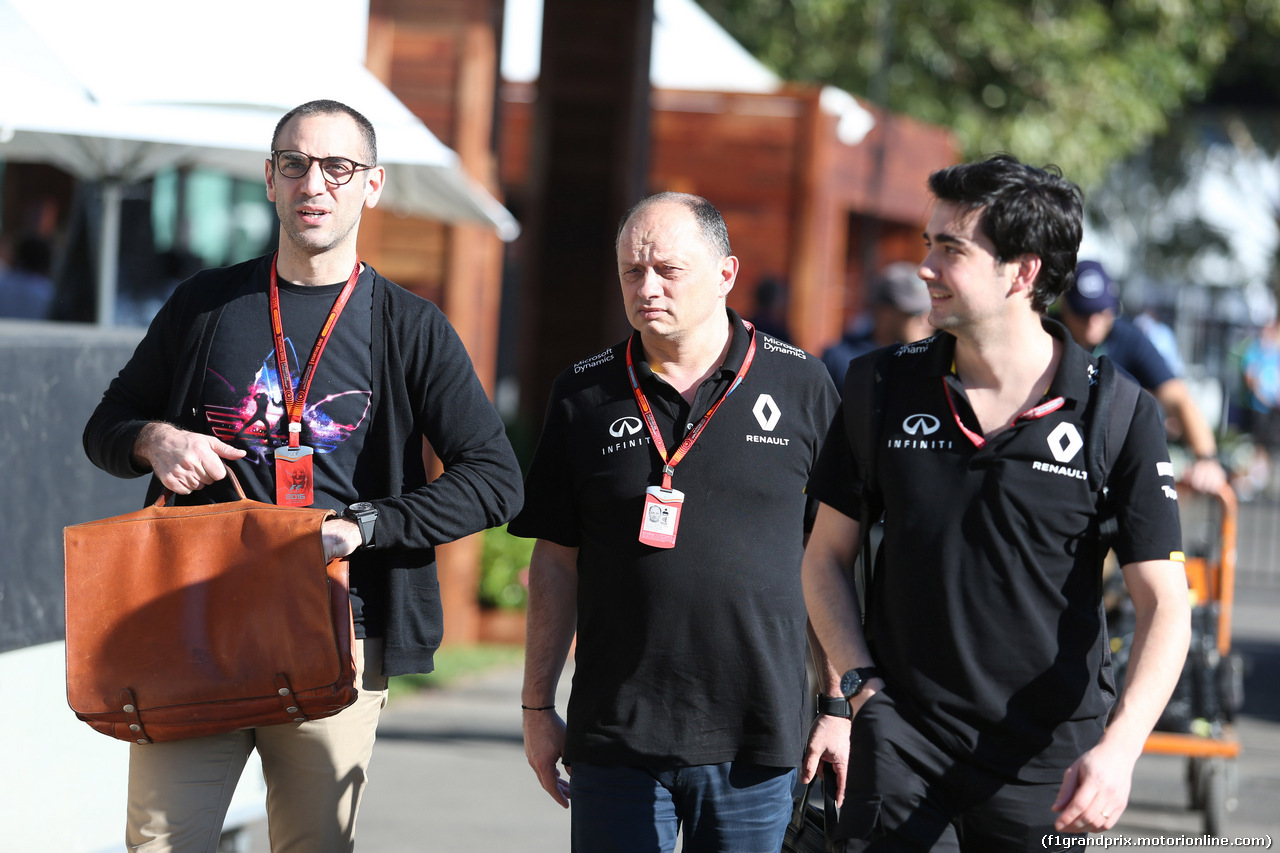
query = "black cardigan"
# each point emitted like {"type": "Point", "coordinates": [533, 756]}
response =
{"type": "Point", "coordinates": [423, 385]}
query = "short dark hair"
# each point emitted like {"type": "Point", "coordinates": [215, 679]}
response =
{"type": "Point", "coordinates": [328, 108]}
{"type": "Point", "coordinates": [710, 223]}
{"type": "Point", "coordinates": [1022, 211]}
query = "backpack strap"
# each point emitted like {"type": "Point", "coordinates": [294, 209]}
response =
{"type": "Point", "coordinates": [864, 391]}
{"type": "Point", "coordinates": [864, 383]}
{"type": "Point", "coordinates": [1115, 400]}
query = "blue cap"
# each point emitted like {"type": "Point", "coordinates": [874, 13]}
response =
{"type": "Point", "coordinates": [1093, 290]}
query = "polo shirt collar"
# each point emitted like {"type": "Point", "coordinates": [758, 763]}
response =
{"type": "Point", "coordinates": [733, 359]}
{"type": "Point", "coordinates": [1071, 381]}
{"type": "Point", "coordinates": [1076, 371]}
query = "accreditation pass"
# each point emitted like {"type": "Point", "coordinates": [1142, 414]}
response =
{"type": "Point", "coordinates": [661, 516]}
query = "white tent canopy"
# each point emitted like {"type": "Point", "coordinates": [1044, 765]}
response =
{"type": "Point", "coordinates": [689, 50]}
{"type": "Point", "coordinates": [115, 92]}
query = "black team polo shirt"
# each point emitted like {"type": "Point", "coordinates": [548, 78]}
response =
{"type": "Point", "coordinates": [984, 609]}
{"type": "Point", "coordinates": [691, 655]}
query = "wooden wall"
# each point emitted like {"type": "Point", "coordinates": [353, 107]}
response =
{"type": "Point", "coordinates": [441, 60]}
{"type": "Point", "coordinates": [801, 206]}
{"type": "Point", "coordinates": [742, 153]}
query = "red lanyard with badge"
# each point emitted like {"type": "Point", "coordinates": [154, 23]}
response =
{"type": "Point", "coordinates": [294, 475]}
{"type": "Point", "coordinates": [662, 504]}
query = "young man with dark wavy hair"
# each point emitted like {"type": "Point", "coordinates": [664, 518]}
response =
{"type": "Point", "coordinates": [981, 686]}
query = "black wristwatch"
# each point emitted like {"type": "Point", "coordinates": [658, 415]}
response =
{"type": "Point", "coordinates": [852, 682]}
{"type": "Point", "coordinates": [834, 706]}
{"type": "Point", "coordinates": [365, 515]}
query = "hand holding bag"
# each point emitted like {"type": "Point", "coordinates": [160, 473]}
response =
{"type": "Point", "coordinates": [196, 620]}
{"type": "Point", "coordinates": [807, 831]}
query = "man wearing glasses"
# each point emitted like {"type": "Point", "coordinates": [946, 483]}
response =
{"type": "Point", "coordinates": [371, 370]}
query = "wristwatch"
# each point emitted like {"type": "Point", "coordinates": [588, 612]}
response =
{"type": "Point", "coordinates": [852, 682]}
{"type": "Point", "coordinates": [365, 515]}
{"type": "Point", "coordinates": [834, 706]}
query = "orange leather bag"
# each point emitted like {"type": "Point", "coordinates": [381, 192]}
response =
{"type": "Point", "coordinates": [197, 620]}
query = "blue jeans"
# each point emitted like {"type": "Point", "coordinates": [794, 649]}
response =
{"type": "Point", "coordinates": [721, 808]}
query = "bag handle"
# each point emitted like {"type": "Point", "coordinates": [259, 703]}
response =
{"type": "Point", "coordinates": [827, 780]}
{"type": "Point", "coordinates": [168, 493]}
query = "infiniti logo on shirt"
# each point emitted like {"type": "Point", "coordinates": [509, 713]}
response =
{"type": "Point", "coordinates": [625, 426]}
{"type": "Point", "coordinates": [920, 425]}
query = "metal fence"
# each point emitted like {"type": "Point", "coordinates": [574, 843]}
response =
{"type": "Point", "coordinates": [1258, 542]}
{"type": "Point", "coordinates": [1257, 534]}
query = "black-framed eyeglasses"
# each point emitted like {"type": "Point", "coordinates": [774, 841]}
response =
{"type": "Point", "coordinates": [336, 170]}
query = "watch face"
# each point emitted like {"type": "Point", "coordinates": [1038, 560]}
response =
{"type": "Point", "coordinates": [851, 683]}
{"type": "Point", "coordinates": [362, 506]}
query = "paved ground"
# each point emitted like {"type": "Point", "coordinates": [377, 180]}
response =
{"type": "Point", "coordinates": [449, 774]}
{"type": "Point", "coordinates": [1160, 795]}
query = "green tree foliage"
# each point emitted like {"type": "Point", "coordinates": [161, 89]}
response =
{"type": "Point", "coordinates": [1079, 83]}
{"type": "Point", "coordinates": [1151, 205]}
{"type": "Point", "coordinates": [504, 569]}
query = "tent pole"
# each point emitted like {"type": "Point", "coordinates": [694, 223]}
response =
{"type": "Point", "coordinates": [109, 251]}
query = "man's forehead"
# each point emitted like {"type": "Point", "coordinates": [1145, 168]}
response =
{"type": "Point", "coordinates": [665, 227]}
{"type": "Point", "coordinates": [338, 128]}
{"type": "Point", "coordinates": [952, 222]}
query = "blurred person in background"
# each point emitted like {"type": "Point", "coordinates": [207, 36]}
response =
{"type": "Point", "coordinates": [1090, 309]}
{"type": "Point", "coordinates": [770, 313]}
{"type": "Point", "coordinates": [1163, 338]}
{"type": "Point", "coordinates": [26, 292]}
{"type": "Point", "coordinates": [899, 314]}
{"type": "Point", "coordinates": [1260, 370]}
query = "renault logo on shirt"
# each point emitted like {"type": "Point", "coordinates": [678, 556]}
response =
{"type": "Point", "coordinates": [767, 412]}
{"type": "Point", "coordinates": [625, 426]}
{"type": "Point", "coordinates": [1065, 442]}
{"type": "Point", "coordinates": [920, 424]}
{"type": "Point", "coordinates": [767, 415]}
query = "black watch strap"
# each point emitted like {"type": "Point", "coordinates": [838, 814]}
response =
{"type": "Point", "coordinates": [365, 515]}
{"type": "Point", "coordinates": [834, 706]}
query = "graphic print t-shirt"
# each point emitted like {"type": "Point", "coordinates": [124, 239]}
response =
{"type": "Point", "coordinates": [243, 404]}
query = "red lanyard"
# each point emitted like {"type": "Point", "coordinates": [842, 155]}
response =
{"type": "Point", "coordinates": [1030, 414]}
{"type": "Point", "coordinates": [294, 405]}
{"type": "Point", "coordinates": [669, 465]}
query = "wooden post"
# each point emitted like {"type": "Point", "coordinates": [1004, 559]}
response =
{"type": "Point", "coordinates": [819, 233]}
{"type": "Point", "coordinates": [589, 164]}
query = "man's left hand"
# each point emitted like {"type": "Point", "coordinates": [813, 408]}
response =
{"type": "Point", "coordinates": [1095, 790]}
{"type": "Point", "coordinates": [341, 537]}
{"type": "Point", "coordinates": [829, 742]}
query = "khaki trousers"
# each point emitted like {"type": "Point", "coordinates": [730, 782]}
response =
{"type": "Point", "coordinates": [179, 791]}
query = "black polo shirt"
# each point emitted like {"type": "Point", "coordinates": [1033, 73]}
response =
{"type": "Point", "coordinates": [984, 609]}
{"type": "Point", "coordinates": [695, 654]}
